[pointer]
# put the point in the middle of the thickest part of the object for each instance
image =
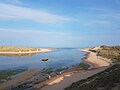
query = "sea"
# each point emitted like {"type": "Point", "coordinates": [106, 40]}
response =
{"type": "Point", "coordinates": [59, 58]}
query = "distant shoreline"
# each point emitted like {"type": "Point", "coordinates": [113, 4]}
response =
{"type": "Point", "coordinates": [28, 52]}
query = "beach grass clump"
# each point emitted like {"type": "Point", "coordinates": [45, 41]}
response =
{"type": "Point", "coordinates": [83, 66]}
{"type": "Point", "coordinates": [48, 70]}
{"type": "Point", "coordinates": [7, 74]}
{"type": "Point", "coordinates": [17, 49]}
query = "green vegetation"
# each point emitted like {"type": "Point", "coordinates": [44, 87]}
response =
{"type": "Point", "coordinates": [84, 66]}
{"type": "Point", "coordinates": [48, 70]}
{"type": "Point", "coordinates": [110, 52]}
{"type": "Point", "coordinates": [17, 49]}
{"type": "Point", "coordinates": [6, 74]}
{"type": "Point", "coordinates": [22, 87]}
{"type": "Point", "coordinates": [105, 80]}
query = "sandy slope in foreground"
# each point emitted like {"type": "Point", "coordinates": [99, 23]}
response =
{"type": "Point", "coordinates": [64, 80]}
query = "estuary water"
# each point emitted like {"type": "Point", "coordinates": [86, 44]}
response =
{"type": "Point", "coordinates": [59, 58]}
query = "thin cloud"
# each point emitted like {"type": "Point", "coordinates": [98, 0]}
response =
{"type": "Point", "coordinates": [98, 17]}
{"type": "Point", "coordinates": [38, 38]}
{"type": "Point", "coordinates": [14, 2]}
{"type": "Point", "coordinates": [103, 12]}
{"type": "Point", "coordinates": [11, 12]}
{"type": "Point", "coordinates": [97, 23]}
{"type": "Point", "coordinates": [100, 9]}
{"type": "Point", "coordinates": [29, 33]}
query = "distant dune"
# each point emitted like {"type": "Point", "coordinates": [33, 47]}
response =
{"type": "Point", "coordinates": [21, 50]}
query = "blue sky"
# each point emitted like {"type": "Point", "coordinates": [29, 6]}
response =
{"type": "Point", "coordinates": [59, 23]}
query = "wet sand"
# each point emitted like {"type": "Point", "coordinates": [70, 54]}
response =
{"type": "Point", "coordinates": [17, 80]}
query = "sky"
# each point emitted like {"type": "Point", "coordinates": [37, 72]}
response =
{"type": "Point", "coordinates": [59, 23]}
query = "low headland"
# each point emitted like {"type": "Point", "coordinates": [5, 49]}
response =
{"type": "Point", "coordinates": [21, 51]}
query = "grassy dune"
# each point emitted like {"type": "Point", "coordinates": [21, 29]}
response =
{"type": "Point", "coordinates": [110, 52]}
{"type": "Point", "coordinates": [17, 49]}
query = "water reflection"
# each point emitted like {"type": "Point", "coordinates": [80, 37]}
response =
{"type": "Point", "coordinates": [58, 59]}
{"type": "Point", "coordinates": [19, 55]}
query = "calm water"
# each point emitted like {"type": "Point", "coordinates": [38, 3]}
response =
{"type": "Point", "coordinates": [58, 59]}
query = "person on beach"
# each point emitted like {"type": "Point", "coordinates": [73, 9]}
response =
{"type": "Point", "coordinates": [49, 77]}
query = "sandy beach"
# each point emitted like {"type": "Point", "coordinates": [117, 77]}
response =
{"type": "Point", "coordinates": [41, 51]}
{"type": "Point", "coordinates": [94, 60]}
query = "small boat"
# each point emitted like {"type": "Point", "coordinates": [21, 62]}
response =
{"type": "Point", "coordinates": [44, 59]}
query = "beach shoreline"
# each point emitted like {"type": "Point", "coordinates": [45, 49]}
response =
{"type": "Point", "coordinates": [94, 60]}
